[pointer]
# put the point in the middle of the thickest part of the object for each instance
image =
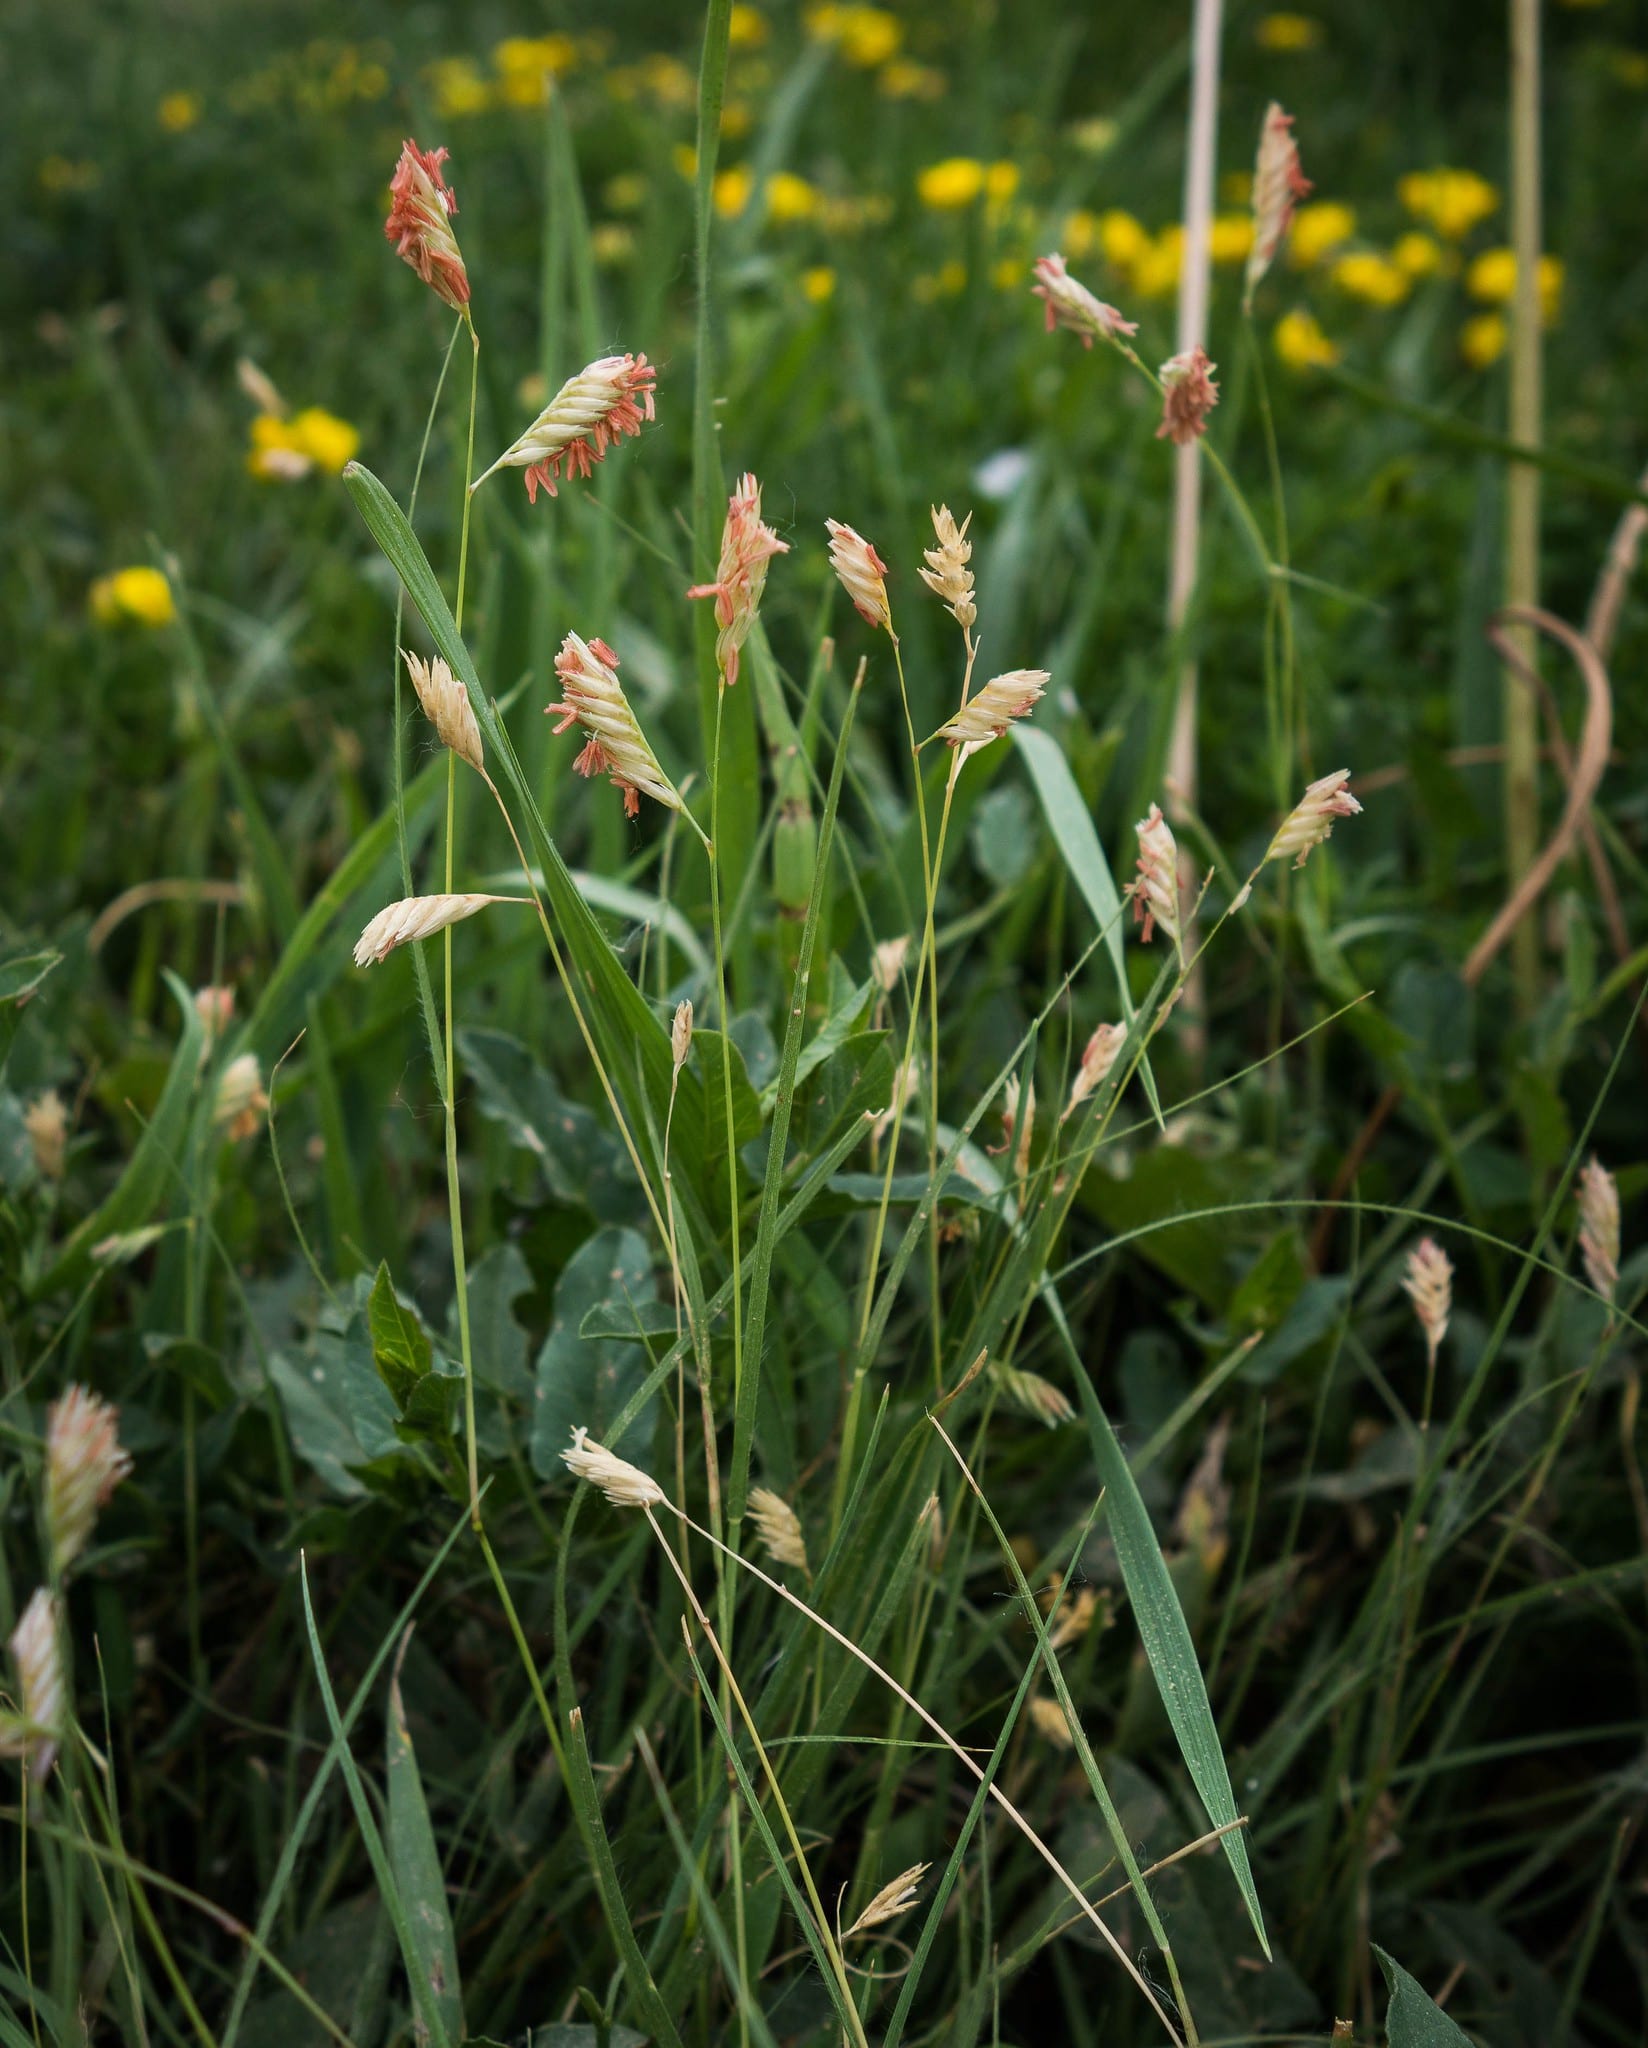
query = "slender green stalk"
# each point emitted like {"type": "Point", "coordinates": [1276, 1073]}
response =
{"type": "Point", "coordinates": [726, 1054]}
{"type": "Point", "coordinates": [1520, 710]}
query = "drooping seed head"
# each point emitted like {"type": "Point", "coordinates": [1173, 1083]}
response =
{"type": "Point", "coordinates": [625, 1485]}
{"type": "Point", "coordinates": [421, 207]}
{"type": "Point", "coordinates": [446, 705]}
{"type": "Point", "coordinates": [1155, 890]}
{"type": "Point", "coordinates": [1070, 304]}
{"type": "Point", "coordinates": [1077, 1619]}
{"type": "Point", "coordinates": [947, 575]}
{"type": "Point", "coordinates": [1278, 186]}
{"type": "Point", "coordinates": [1311, 819]}
{"type": "Point", "coordinates": [1048, 1719]}
{"type": "Point", "coordinates": [747, 546]}
{"type": "Point", "coordinates": [681, 1035]}
{"type": "Point", "coordinates": [241, 1100]}
{"type": "Point", "coordinates": [862, 572]}
{"type": "Point", "coordinates": [779, 1527]}
{"type": "Point", "coordinates": [1428, 1284]}
{"type": "Point", "coordinates": [1599, 1227]}
{"type": "Point", "coordinates": [615, 745]}
{"type": "Point", "coordinates": [893, 1898]}
{"type": "Point", "coordinates": [84, 1465]}
{"type": "Point", "coordinates": [36, 1734]}
{"type": "Point", "coordinates": [416, 917]}
{"type": "Point", "coordinates": [46, 1124]}
{"type": "Point", "coordinates": [887, 962]}
{"type": "Point", "coordinates": [1029, 1391]}
{"type": "Point", "coordinates": [1189, 394]}
{"type": "Point", "coordinates": [989, 712]}
{"type": "Point", "coordinates": [1098, 1057]}
{"type": "Point", "coordinates": [591, 413]}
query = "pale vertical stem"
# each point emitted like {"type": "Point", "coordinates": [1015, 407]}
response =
{"type": "Point", "coordinates": [1194, 279]}
{"type": "Point", "coordinates": [1520, 709]}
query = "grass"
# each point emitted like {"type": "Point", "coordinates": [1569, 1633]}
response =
{"type": "Point", "coordinates": [1205, 1648]}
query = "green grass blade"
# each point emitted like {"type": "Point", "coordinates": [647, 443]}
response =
{"type": "Point", "coordinates": [417, 1864]}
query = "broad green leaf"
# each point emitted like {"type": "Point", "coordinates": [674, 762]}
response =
{"type": "Point", "coordinates": [417, 1867]}
{"type": "Point", "coordinates": [585, 1381]}
{"type": "Point", "coordinates": [1413, 2019]}
{"type": "Point", "coordinates": [582, 1163]}
{"type": "Point", "coordinates": [497, 1280]}
{"type": "Point", "coordinates": [400, 1348]}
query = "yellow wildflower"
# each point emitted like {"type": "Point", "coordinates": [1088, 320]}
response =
{"type": "Point", "coordinates": [1483, 339]}
{"type": "Point", "coordinates": [790, 198]}
{"type": "Point", "coordinates": [1365, 274]}
{"type": "Point", "coordinates": [1319, 229]}
{"type": "Point", "coordinates": [952, 184]}
{"type": "Point", "coordinates": [747, 28]}
{"type": "Point", "coordinates": [685, 159]}
{"type": "Point", "coordinates": [1281, 32]}
{"type": "Point", "coordinates": [178, 112]}
{"type": "Point", "coordinates": [1417, 255]}
{"type": "Point", "coordinates": [527, 66]}
{"type": "Point", "coordinates": [1008, 274]}
{"type": "Point", "coordinates": [1452, 202]}
{"type": "Point", "coordinates": [1095, 135]}
{"type": "Point", "coordinates": [625, 193]}
{"type": "Point", "coordinates": [1124, 240]}
{"type": "Point", "coordinates": [1001, 181]}
{"type": "Point", "coordinates": [1492, 276]}
{"type": "Point", "coordinates": [736, 120]}
{"type": "Point", "coordinates": [1155, 272]}
{"type": "Point", "coordinates": [732, 189]}
{"type": "Point", "coordinates": [612, 242]}
{"type": "Point", "coordinates": [329, 442]}
{"type": "Point", "coordinates": [1301, 344]}
{"type": "Point", "coordinates": [949, 281]}
{"type": "Point", "coordinates": [69, 174]}
{"type": "Point", "coordinates": [1230, 237]}
{"type": "Point", "coordinates": [1079, 236]}
{"type": "Point", "coordinates": [866, 36]}
{"type": "Point", "coordinates": [904, 80]}
{"type": "Point", "coordinates": [283, 450]}
{"type": "Point", "coordinates": [818, 284]}
{"type": "Point", "coordinates": [137, 596]}
{"type": "Point", "coordinates": [458, 87]}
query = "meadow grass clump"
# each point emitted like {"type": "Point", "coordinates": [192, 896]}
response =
{"type": "Point", "coordinates": [928, 1341]}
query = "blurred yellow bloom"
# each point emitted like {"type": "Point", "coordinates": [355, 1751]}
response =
{"type": "Point", "coordinates": [1230, 237]}
{"type": "Point", "coordinates": [736, 119]}
{"type": "Point", "coordinates": [138, 596]}
{"type": "Point", "coordinates": [1492, 276]}
{"type": "Point", "coordinates": [1365, 274]}
{"type": "Point", "coordinates": [612, 242]}
{"type": "Point", "coordinates": [1319, 229]}
{"type": "Point", "coordinates": [949, 281]}
{"type": "Point", "coordinates": [1079, 235]}
{"type": "Point", "coordinates": [1008, 273]}
{"type": "Point", "coordinates": [865, 36]}
{"type": "Point", "coordinates": [904, 80]}
{"type": "Point", "coordinates": [329, 442]}
{"type": "Point", "coordinates": [1417, 255]}
{"type": "Point", "coordinates": [954, 183]}
{"type": "Point", "coordinates": [1094, 135]}
{"type": "Point", "coordinates": [732, 189]}
{"type": "Point", "coordinates": [818, 284]}
{"type": "Point", "coordinates": [527, 65]}
{"type": "Point", "coordinates": [1629, 67]}
{"type": "Point", "coordinates": [664, 79]}
{"type": "Point", "coordinates": [69, 174]}
{"type": "Point", "coordinates": [747, 29]}
{"type": "Point", "coordinates": [458, 87]}
{"type": "Point", "coordinates": [1001, 181]}
{"type": "Point", "coordinates": [845, 213]}
{"type": "Point", "coordinates": [1287, 32]}
{"type": "Point", "coordinates": [1154, 273]}
{"type": "Point", "coordinates": [1301, 344]}
{"type": "Point", "coordinates": [625, 193]}
{"type": "Point", "coordinates": [1453, 202]}
{"type": "Point", "coordinates": [790, 198]}
{"type": "Point", "coordinates": [1124, 240]}
{"type": "Point", "coordinates": [685, 159]}
{"type": "Point", "coordinates": [283, 450]}
{"type": "Point", "coordinates": [178, 112]}
{"type": "Point", "coordinates": [1483, 340]}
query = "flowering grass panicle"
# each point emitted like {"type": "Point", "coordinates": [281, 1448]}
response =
{"type": "Point", "coordinates": [747, 546]}
{"type": "Point", "coordinates": [1098, 1057]}
{"type": "Point", "coordinates": [1018, 1122]}
{"type": "Point", "coordinates": [947, 575]}
{"type": "Point", "coordinates": [1278, 186]}
{"type": "Point", "coordinates": [887, 962]}
{"type": "Point", "coordinates": [989, 712]}
{"type": "Point", "coordinates": [421, 206]}
{"type": "Point", "coordinates": [862, 572]}
{"type": "Point", "coordinates": [894, 1897]}
{"type": "Point", "coordinates": [446, 705]}
{"type": "Point", "coordinates": [1189, 394]}
{"type": "Point", "coordinates": [1029, 1391]}
{"type": "Point", "coordinates": [681, 1035]}
{"type": "Point", "coordinates": [1047, 1717]}
{"type": "Point", "coordinates": [1428, 1284]}
{"type": "Point", "coordinates": [616, 747]}
{"type": "Point", "coordinates": [779, 1527]}
{"type": "Point", "coordinates": [241, 1099]}
{"type": "Point", "coordinates": [36, 1734]}
{"type": "Point", "coordinates": [46, 1125]}
{"type": "Point", "coordinates": [416, 917]}
{"type": "Point", "coordinates": [1311, 819]}
{"type": "Point", "coordinates": [1077, 1619]}
{"type": "Point", "coordinates": [1070, 304]}
{"type": "Point", "coordinates": [1155, 891]}
{"type": "Point", "coordinates": [591, 413]}
{"type": "Point", "coordinates": [215, 1007]}
{"type": "Point", "coordinates": [84, 1465]}
{"type": "Point", "coordinates": [1599, 1227]}
{"type": "Point", "coordinates": [625, 1485]}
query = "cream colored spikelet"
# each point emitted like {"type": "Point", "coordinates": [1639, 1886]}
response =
{"type": "Point", "coordinates": [446, 705]}
{"type": "Point", "coordinates": [417, 917]}
{"type": "Point", "coordinates": [625, 1485]}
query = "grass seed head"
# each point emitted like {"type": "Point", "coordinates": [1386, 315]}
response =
{"type": "Point", "coordinates": [1428, 1284]}
{"type": "Point", "coordinates": [46, 1123]}
{"type": "Point", "coordinates": [1070, 304]}
{"type": "Point", "coordinates": [887, 962]}
{"type": "Point", "coordinates": [1599, 1227]}
{"type": "Point", "coordinates": [1047, 1718]}
{"type": "Point", "coordinates": [894, 1897]}
{"type": "Point", "coordinates": [615, 745]}
{"type": "Point", "coordinates": [1037, 1397]}
{"type": "Point", "coordinates": [1278, 186]}
{"type": "Point", "coordinates": [747, 546]}
{"type": "Point", "coordinates": [947, 575]}
{"type": "Point", "coordinates": [989, 712]}
{"type": "Point", "coordinates": [625, 1485]}
{"type": "Point", "coordinates": [1098, 1057]}
{"type": "Point", "coordinates": [446, 705]}
{"type": "Point", "coordinates": [681, 1034]}
{"type": "Point", "coordinates": [84, 1465]}
{"type": "Point", "coordinates": [36, 1734]}
{"type": "Point", "coordinates": [1189, 394]}
{"type": "Point", "coordinates": [241, 1100]}
{"type": "Point", "coordinates": [779, 1528]}
{"type": "Point", "coordinates": [862, 572]}
{"type": "Point", "coordinates": [591, 413]}
{"type": "Point", "coordinates": [1155, 891]}
{"type": "Point", "coordinates": [215, 1007]}
{"type": "Point", "coordinates": [415, 917]}
{"type": "Point", "coordinates": [421, 207]}
{"type": "Point", "coordinates": [1311, 819]}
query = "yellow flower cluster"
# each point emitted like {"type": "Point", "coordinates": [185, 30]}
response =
{"type": "Point", "coordinates": [1492, 276]}
{"type": "Point", "coordinates": [69, 174]}
{"type": "Point", "coordinates": [866, 37]}
{"type": "Point", "coordinates": [284, 449]}
{"type": "Point", "coordinates": [178, 112]}
{"type": "Point", "coordinates": [1375, 279]}
{"type": "Point", "coordinates": [1452, 202]}
{"type": "Point", "coordinates": [1301, 344]}
{"type": "Point", "coordinates": [904, 80]}
{"type": "Point", "coordinates": [1149, 263]}
{"type": "Point", "coordinates": [957, 181]}
{"type": "Point", "coordinates": [1281, 33]}
{"type": "Point", "coordinates": [1319, 230]}
{"type": "Point", "coordinates": [318, 79]}
{"type": "Point", "coordinates": [524, 70]}
{"type": "Point", "coordinates": [133, 597]}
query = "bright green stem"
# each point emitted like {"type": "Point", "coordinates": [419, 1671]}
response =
{"type": "Point", "coordinates": [1521, 710]}
{"type": "Point", "coordinates": [524, 1649]}
{"type": "Point", "coordinates": [726, 1058]}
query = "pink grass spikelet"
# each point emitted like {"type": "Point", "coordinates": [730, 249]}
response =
{"type": "Point", "coordinates": [747, 546]}
{"type": "Point", "coordinates": [862, 572]}
{"type": "Point", "coordinates": [615, 745]}
{"type": "Point", "coordinates": [1428, 1284]}
{"type": "Point", "coordinates": [241, 1098]}
{"type": "Point", "coordinates": [37, 1733]}
{"type": "Point", "coordinates": [1070, 304]}
{"type": "Point", "coordinates": [1189, 394]}
{"type": "Point", "coordinates": [1311, 819]}
{"type": "Point", "coordinates": [421, 206]}
{"type": "Point", "coordinates": [1599, 1227]}
{"type": "Point", "coordinates": [989, 712]}
{"type": "Point", "coordinates": [1098, 1057]}
{"type": "Point", "coordinates": [84, 1465]}
{"type": "Point", "coordinates": [1278, 186]}
{"type": "Point", "coordinates": [1155, 891]}
{"type": "Point", "coordinates": [591, 413]}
